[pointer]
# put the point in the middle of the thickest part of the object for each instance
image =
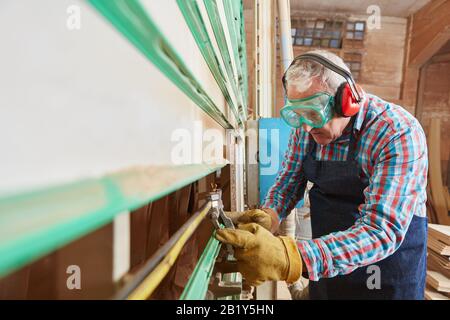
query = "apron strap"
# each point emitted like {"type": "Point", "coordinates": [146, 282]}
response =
{"type": "Point", "coordinates": [352, 143]}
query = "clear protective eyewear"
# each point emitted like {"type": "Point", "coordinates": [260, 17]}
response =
{"type": "Point", "coordinates": [315, 110]}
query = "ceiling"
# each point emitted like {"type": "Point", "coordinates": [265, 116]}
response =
{"type": "Point", "coordinates": [389, 8]}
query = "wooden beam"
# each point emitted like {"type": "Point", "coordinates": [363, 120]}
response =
{"type": "Point", "coordinates": [438, 281]}
{"type": "Point", "coordinates": [429, 32]}
{"type": "Point", "coordinates": [420, 92]}
{"type": "Point", "coordinates": [445, 57]}
{"type": "Point", "coordinates": [431, 47]}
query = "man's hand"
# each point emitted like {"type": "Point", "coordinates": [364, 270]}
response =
{"type": "Point", "coordinates": [261, 256]}
{"type": "Point", "coordinates": [266, 218]}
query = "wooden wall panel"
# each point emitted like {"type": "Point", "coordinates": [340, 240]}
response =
{"type": "Point", "coordinates": [382, 62]}
{"type": "Point", "coordinates": [47, 277]}
{"type": "Point", "coordinates": [94, 255]}
{"type": "Point", "coordinates": [158, 225]}
{"type": "Point", "coordinates": [153, 225]}
{"type": "Point", "coordinates": [15, 286]}
{"type": "Point", "coordinates": [178, 203]}
{"type": "Point", "coordinates": [436, 104]}
{"type": "Point", "coordinates": [150, 227]}
{"type": "Point", "coordinates": [138, 237]}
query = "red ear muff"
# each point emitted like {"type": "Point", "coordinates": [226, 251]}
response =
{"type": "Point", "coordinates": [345, 103]}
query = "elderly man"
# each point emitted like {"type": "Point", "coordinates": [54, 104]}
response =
{"type": "Point", "coordinates": [367, 159]}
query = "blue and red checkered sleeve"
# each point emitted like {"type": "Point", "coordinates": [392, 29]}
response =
{"type": "Point", "coordinates": [394, 194]}
{"type": "Point", "coordinates": [290, 182]}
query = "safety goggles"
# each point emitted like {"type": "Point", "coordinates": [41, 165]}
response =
{"type": "Point", "coordinates": [315, 111]}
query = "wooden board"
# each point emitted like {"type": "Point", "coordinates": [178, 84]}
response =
{"type": "Point", "coordinates": [443, 260]}
{"type": "Point", "coordinates": [138, 237]}
{"type": "Point", "coordinates": [438, 281]}
{"type": "Point", "coordinates": [93, 254]}
{"type": "Point", "coordinates": [438, 246]}
{"type": "Point", "coordinates": [434, 264]}
{"type": "Point", "coordinates": [440, 232]}
{"type": "Point", "coordinates": [431, 294]}
{"type": "Point", "coordinates": [431, 213]}
{"type": "Point", "coordinates": [48, 277]}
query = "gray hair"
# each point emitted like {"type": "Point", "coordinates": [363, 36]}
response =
{"type": "Point", "coordinates": [301, 73]}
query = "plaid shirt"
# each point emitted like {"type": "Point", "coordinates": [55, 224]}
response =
{"type": "Point", "coordinates": [392, 154]}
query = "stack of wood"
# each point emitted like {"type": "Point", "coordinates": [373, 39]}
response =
{"type": "Point", "coordinates": [438, 273]}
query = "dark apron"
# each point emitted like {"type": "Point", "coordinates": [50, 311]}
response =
{"type": "Point", "coordinates": [335, 197]}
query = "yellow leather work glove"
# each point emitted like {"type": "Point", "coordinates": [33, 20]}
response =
{"type": "Point", "coordinates": [261, 256]}
{"type": "Point", "coordinates": [255, 215]}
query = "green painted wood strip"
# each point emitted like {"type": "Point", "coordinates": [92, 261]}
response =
{"type": "Point", "coordinates": [198, 283]}
{"type": "Point", "coordinates": [234, 12]}
{"type": "Point", "coordinates": [36, 223]}
{"type": "Point", "coordinates": [219, 33]}
{"type": "Point", "coordinates": [243, 46]}
{"type": "Point", "coordinates": [231, 23]}
{"type": "Point", "coordinates": [235, 21]}
{"type": "Point", "coordinates": [195, 22]}
{"type": "Point", "coordinates": [131, 19]}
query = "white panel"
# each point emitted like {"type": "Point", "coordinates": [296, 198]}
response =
{"type": "Point", "coordinates": [85, 102]}
{"type": "Point", "coordinates": [170, 20]}
{"type": "Point", "coordinates": [121, 245]}
{"type": "Point", "coordinates": [204, 13]}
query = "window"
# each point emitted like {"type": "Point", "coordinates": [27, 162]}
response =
{"type": "Point", "coordinates": [317, 33]}
{"type": "Point", "coordinates": [355, 30]}
{"type": "Point", "coordinates": [353, 60]}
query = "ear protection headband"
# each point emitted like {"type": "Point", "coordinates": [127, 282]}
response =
{"type": "Point", "coordinates": [348, 97]}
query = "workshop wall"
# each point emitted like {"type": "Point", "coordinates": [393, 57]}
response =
{"type": "Point", "coordinates": [436, 104]}
{"type": "Point", "coordinates": [387, 55]}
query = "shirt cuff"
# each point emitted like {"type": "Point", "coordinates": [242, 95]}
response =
{"type": "Point", "coordinates": [317, 258]}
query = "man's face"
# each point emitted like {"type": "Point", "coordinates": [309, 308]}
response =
{"type": "Point", "coordinates": [332, 129]}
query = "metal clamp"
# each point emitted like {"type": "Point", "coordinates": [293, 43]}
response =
{"type": "Point", "coordinates": [217, 215]}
